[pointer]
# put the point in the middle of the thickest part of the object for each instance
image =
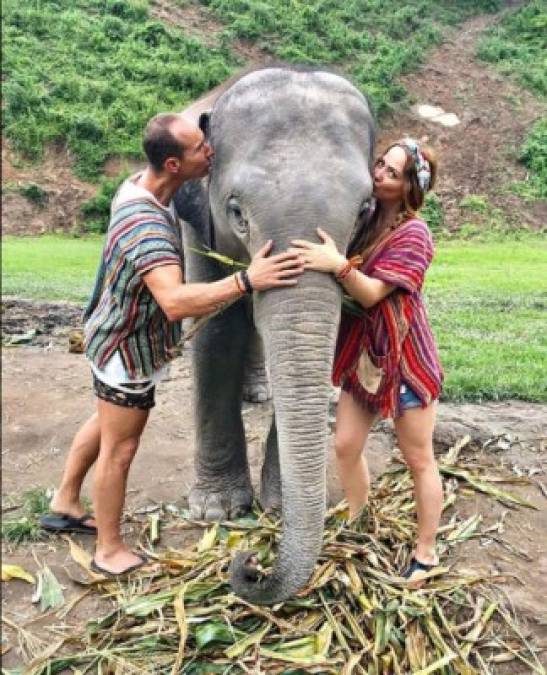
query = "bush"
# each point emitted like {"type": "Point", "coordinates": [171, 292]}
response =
{"type": "Point", "coordinates": [96, 211]}
{"type": "Point", "coordinates": [92, 72]}
{"type": "Point", "coordinates": [432, 212]}
{"type": "Point", "coordinates": [35, 194]}
{"type": "Point", "coordinates": [517, 45]}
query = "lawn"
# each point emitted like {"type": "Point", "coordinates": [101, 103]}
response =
{"type": "Point", "coordinates": [50, 267]}
{"type": "Point", "coordinates": [486, 301]}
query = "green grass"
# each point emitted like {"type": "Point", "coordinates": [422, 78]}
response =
{"type": "Point", "coordinates": [518, 47]}
{"type": "Point", "coordinates": [50, 267]}
{"type": "Point", "coordinates": [486, 301]}
{"type": "Point", "coordinates": [374, 42]}
{"type": "Point", "coordinates": [92, 72]}
{"type": "Point", "coordinates": [487, 304]}
{"type": "Point", "coordinates": [25, 525]}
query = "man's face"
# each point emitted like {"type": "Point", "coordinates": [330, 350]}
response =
{"type": "Point", "coordinates": [197, 154]}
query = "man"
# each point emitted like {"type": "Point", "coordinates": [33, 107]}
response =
{"type": "Point", "coordinates": [133, 325]}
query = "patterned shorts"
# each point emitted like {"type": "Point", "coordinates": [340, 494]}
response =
{"type": "Point", "coordinates": [144, 400]}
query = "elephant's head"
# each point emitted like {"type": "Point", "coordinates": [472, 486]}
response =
{"type": "Point", "coordinates": [292, 152]}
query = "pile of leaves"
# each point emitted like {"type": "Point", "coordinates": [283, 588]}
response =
{"type": "Point", "coordinates": [356, 614]}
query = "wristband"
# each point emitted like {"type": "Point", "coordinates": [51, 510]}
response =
{"type": "Point", "coordinates": [343, 273]}
{"type": "Point", "coordinates": [246, 281]}
{"type": "Point", "coordinates": [238, 284]}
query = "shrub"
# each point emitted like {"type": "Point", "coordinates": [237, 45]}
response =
{"type": "Point", "coordinates": [96, 211]}
{"type": "Point", "coordinates": [35, 194]}
{"type": "Point", "coordinates": [432, 212]}
{"type": "Point", "coordinates": [517, 45]}
{"type": "Point", "coordinates": [91, 72]}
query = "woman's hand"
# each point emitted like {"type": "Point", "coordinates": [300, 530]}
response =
{"type": "Point", "coordinates": [282, 269]}
{"type": "Point", "coordinates": [323, 257]}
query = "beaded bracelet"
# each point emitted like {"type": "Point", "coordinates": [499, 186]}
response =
{"type": "Point", "coordinates": [343, 273]}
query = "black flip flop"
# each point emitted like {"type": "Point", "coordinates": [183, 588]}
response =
{"type": "Point", "coordinates": [95, 567]}
{"type": "Point", "coordinates": [63, 522]}
{"type": "Point", "coordinates": [417, 566]}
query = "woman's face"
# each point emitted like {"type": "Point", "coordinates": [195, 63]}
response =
{"type": "Point", "coordinates": [388, 176]}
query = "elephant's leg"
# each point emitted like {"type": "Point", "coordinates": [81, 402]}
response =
{"type": "Point", "coordinates": [270, 482]}
{"type": "Point", "coordinates": [256, 386]}
{"type": "Point", "coordinates": [223, 484]}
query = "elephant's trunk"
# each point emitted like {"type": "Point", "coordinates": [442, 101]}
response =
{"type": "Point", "coordinates": [299, 329]}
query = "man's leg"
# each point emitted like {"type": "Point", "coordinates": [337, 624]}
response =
{"type": "Point", "coordinates": [121, 429]}
{"type": "Point", "coordinates": [81, 456]}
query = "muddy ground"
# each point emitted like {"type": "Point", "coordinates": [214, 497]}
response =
{"type": "Point", "coordinates": [46, 394]}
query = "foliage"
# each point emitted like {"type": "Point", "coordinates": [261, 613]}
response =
{"type": "Point", "coordinates": [92, 72]}
{"type": "Point", "coordinates": [372, 42]}
{"type": "Point", "coordinates": [96, 210]}
{"type": "Point", "coordinates": [534, 156]}
{"type": "Point", "coordinates": [517, 45]}
{"type": "Point", "coordinates": [432, 212]}
{"type": "Point", "coordinates": [25, 526]}
{"type": "Point", "coordinates": [354, 612]}
{"type": "Point", "coordinates": [35, 194]}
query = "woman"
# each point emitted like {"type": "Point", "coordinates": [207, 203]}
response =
{"type": "Point", "coordinates": [387, 362]}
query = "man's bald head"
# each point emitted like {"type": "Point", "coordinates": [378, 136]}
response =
{"type": "Point", "coordinates": [165, 137]}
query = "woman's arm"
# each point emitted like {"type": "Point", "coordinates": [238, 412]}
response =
{"type": "Point", "coordinates": [325, 257]}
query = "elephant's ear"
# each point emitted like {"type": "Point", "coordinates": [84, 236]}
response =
{"type": "Point", "coordinates": [204, 123]}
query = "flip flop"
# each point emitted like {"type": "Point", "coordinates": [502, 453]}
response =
{"type": "Point", "coordinates": [95, 567]}
{"type": "Point", "coordinates": [416, 570]}
{"type": "Point", "coordinates": [63, 522]}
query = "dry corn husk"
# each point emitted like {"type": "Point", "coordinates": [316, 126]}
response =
{"type": "Point", "coordinates": [356, 614]}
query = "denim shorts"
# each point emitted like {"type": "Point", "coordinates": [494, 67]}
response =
{"type": "Point", "coordinates": [408, 398]}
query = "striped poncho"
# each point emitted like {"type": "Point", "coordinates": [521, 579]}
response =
{"type": "Point", "coordinates": [122, 314]}
{"type": "Point", "coordinates": [393, 341]}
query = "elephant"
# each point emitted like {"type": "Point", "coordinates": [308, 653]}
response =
{"type": "Point", "coordinates": [293, 150]}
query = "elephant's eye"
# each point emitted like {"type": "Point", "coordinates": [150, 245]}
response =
{"type": "Point", "coordinates": [235, 215]}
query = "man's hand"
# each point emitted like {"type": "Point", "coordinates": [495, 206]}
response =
{"type": "Point", "coordinates": [281, 269]}
{"type": "Point", "coordinates": [323, 257]}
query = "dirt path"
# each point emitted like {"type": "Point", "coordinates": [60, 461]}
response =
{"type": "Point", "coordinates": [479, 155]}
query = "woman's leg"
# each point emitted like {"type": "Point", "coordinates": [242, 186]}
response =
{"type": "Point", "coordinates": [81, 456]}
{"type": "Point", "coordinates": [415, 435]}
{"type": "Point", "coordinates": [121, 429]}
{"type": "Point", "coordinates": [353, 423]}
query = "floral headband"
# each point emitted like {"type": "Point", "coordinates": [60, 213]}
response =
{"type": "Point", "coordinates": [423, 168]}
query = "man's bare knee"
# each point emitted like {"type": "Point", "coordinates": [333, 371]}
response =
{"type": "Point", "coordinates": [121, 453]}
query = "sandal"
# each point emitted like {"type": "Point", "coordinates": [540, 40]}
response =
{"type": "Point", "coordinates": [64, 522]}
{"type": "Point", "coordinates": [416, 571]}
{"type": "Point", "coordinates": [95, 567]}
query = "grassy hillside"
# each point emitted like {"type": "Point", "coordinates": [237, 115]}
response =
{"type": "Point", "coordinates": [486, 302]}
{"type": "Point", "coordinates": [517, 46]}
{"type": "Point", "coordinates": [91, 72]}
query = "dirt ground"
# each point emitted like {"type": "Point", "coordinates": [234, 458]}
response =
{"type": "Point", "coordinates": [46, 394]}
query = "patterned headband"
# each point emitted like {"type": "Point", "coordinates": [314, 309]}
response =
{"type": "Point", "coordinates": [423, 168]}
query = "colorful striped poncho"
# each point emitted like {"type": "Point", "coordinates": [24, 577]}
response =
{"type": "Point", "coordinates": [393, 342]}
{"type": "Point", "coordinates": [122, 314]}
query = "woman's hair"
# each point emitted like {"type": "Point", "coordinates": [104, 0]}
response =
{"type": "Point", "coordinates": [413, 198]}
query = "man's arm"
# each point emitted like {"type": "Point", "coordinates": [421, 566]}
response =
{"type": "Point", "coordinates": [179, 300]}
